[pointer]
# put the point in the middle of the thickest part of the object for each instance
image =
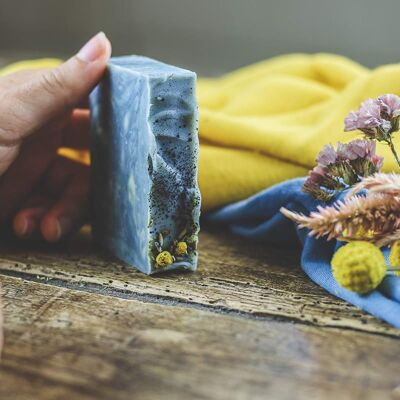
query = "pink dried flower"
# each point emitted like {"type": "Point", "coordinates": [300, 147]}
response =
{"type": "Point", "coordinates": [326, 156]}
{"type": "Point", "coordinates": [369, 114]}
{"type": "Point", "coordinates": [377, 118]}
{"type": "Point", "coordinates": [389, 105]}
{"type": "Point", "coordinates": [317, 174]}
{"type": "Point", "coordinates": [360, 149]}
{"type": "Point", "coordinates": [368, 118]}
{"type": "Point", "coordinates": [351, 122]}
{"type": "Point", "coordinates": [377, 161]}
{"type": "Point", "coordinates": [340, 169]}
{"type": "Point", "coordinates": [345, 151]}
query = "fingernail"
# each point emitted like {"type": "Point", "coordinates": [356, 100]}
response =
{"type": "Point", "coordinates": [94, 48]}
{"type": "Point", "coordinates": [24, 227]}
{"type": "Point", "coordinates": [63, 226]}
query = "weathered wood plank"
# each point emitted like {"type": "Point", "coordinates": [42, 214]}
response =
{"type": "Point", "coordinates": [234, 276]}
{"type": "Point", "coordinates": [66, 344]}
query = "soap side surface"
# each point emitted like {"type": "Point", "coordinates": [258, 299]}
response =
{"type": "Point", "coordinates": [146, 201]}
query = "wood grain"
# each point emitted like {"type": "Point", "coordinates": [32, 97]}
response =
{"type": "Point", "coordinates": [66, 344]}
{"type": "Point", "coordinates": [234, 276]}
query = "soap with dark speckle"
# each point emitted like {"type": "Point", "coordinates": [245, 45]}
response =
{"type": "Point", "coordinates": [144, 154]}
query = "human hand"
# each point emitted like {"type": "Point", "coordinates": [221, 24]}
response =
{"type": "Point", "coordinates": [41, 192]}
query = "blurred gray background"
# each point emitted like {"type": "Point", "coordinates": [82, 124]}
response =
{"type": "Point", "coordinates": [208, 36]}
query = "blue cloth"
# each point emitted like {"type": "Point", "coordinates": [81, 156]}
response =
{"type": "Point", "coordinates": [258, 218]}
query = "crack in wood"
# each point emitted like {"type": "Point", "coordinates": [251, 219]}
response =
{"type": "Point", "coordinates": [235, 276]}
{"type": "Point", "coordinates": [165, 300]}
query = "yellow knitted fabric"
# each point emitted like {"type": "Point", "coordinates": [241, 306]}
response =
{"type": "Point", "coordinates": [266, 122]}
{"type": "Point", "coordinates": [30, 64]}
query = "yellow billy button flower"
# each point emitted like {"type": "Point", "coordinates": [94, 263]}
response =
{"type": "Point", "coordinates": [394, 257]}
{"type": "Point", "coordinates": [164, 259]}
{"type": "Point", "coordinates": [359, 266]}
{"type": "Point", "coordinates": [181, 248]}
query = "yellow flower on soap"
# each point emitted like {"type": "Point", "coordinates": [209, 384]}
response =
{"type": "Point", "coordinates": [164, 259]}
{"type": "Point", "coordinates": [181, 248]}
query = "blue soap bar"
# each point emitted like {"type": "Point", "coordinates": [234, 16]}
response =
{"type": "Point", "coordinates": [144, 152]}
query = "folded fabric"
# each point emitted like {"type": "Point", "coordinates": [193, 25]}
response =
{"type": "Point", "coordinates": [283, 109]}
{"type": "Point", "coordinates": [265, 123]}
{"type": "Point", "coordinates": [258, 218]}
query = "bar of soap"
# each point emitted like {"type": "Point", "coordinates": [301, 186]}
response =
{"type": "Point", "coordinates": [144, 152]}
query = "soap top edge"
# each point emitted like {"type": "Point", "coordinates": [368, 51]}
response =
{"type": "Point", "coordinates": [148, 66]}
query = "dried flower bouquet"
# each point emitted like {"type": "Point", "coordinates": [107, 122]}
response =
{"type": "Point", "coordinates": [368, 213]}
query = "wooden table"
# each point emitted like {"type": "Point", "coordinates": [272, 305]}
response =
{"type": "Point", "coordinates": [247, 325]}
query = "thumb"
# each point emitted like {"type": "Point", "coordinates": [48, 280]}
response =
{"type": "Point", "coordinates": [55, 91]}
